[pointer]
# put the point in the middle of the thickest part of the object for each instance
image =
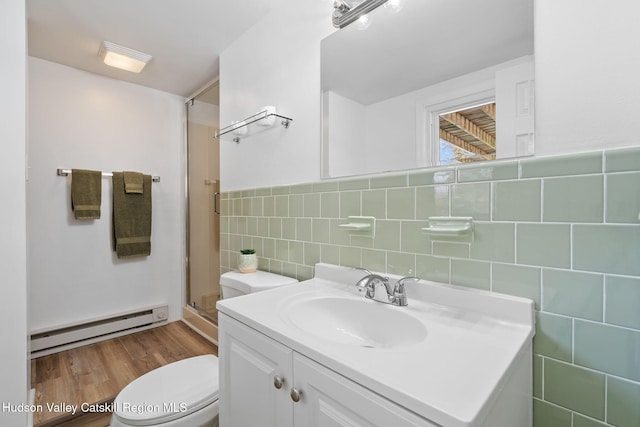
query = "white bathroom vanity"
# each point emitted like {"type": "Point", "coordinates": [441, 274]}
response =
{"type": "Point", "coordinates": [319, 353]}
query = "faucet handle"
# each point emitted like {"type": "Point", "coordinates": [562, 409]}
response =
{"type": "Point", "coordinates": [400, 282]}
{"type": "Point", "coordinates": [365, 284]}
{"type": "Point", "coordinates": [399, 292]}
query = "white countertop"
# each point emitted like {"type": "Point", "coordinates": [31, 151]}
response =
{"type": "Point", "coordinates": [451, 377]}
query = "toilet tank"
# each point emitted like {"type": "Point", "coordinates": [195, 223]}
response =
{"type": "Point", "coordinates": [234, 283]}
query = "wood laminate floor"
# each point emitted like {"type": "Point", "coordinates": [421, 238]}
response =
{"type": "Point", "coordinates": [96, 373]}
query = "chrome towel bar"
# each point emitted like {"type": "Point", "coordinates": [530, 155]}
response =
{"type": "Point", "coordinates": [67, 172]}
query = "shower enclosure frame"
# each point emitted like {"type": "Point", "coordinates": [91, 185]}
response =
{"type": "Point", "coordinates": [196, 316]}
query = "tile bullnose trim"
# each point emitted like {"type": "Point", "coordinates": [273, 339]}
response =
{"type": "Point", "coordinates": [562, 165]}
{"type": "Point", "coordinates": [619, 159]}
{"type": "Point", "coordinates": [622, 159]}
{"type": "Point", "coordinates": [496, 170]}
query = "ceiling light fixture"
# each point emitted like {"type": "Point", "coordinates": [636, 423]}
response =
{"type": "Point", "coordinates": [122, 57]}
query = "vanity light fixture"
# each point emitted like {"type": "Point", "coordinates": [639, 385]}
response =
{"type": "Point", "coordinates": [347, 11]}
{"type": "Point", "coordinates": [123, 57]}
{"type": "Point", "coordinates": [363, 22]}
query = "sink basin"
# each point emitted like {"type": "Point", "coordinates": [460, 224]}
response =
{"type": "Point", "coordinates": [361, 323]}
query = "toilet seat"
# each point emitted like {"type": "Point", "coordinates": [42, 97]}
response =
{"type": "Point", "coordinates": [168, 393]}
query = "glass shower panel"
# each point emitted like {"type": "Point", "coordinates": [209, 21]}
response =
{"type": "Point", "coordinates": [203, 202]}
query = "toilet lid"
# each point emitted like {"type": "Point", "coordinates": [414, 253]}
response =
{"type": "Point", "coordinates": [254, 282]}
{"type": "Point", "coordinates": [170, 392]}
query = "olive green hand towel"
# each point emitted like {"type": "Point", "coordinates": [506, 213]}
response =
{"type": "Point", "coordinates": [131, 218]}
{"type": "Point", "coordinates": [86, 193]}
{"type": "Point", "coordinates": [133, 182]}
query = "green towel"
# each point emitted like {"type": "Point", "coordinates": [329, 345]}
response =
{"type": "Point", "coordinates": [133, 182]}
{"type": "Point", "coordinates": [86, 193]}
{"type": "Point", "coordinates": [131, 218]}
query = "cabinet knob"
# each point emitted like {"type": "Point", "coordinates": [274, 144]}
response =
{"type": "Point", "coordinates": [278, 381]}
{"type": "Point", "coordinates": [295, 394]}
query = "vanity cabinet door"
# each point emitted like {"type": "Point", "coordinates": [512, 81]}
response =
{"type": "Point", "coordinates": [250, 393]}
{"type": "Point", "coordinates": [328, 399]}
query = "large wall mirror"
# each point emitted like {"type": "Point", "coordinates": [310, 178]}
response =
{"type": "Point", "coordinates": [428, 83]}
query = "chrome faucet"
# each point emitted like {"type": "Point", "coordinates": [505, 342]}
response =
{"type": "Point", "coordinates": [379, 289]}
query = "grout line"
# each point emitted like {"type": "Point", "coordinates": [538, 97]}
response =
{"type": "Point", "coordinates": [542, 385]}
{"type": "Point", "coordinates": [604, 298]}
{"type": "Point", "coordinates": [515, 243]}
{"type": "Point", "coordinates": [491, 196]}
{"type": "Point", "coordinates": [605, 180]}
{"type": "Point", "coordinates": [450, 197]}
{"type": "Point", "coordinates": [542, 289]}
{"type": "Point", "coordinates": [571, 225]}
{"type": "Point", "coordinates": [541, 200]}
{"type": "Point", "coordinates": [606, 398]}
{"type": "Point", "coordinates": [609, 325]}
{"type": "Point", "coordinates": [573, 340]}
{"type": "Point", "coordinates": [490, 274]}
{"type": "Point", "coordinates": [386, 203]}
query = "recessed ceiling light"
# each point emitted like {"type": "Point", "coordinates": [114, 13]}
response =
{"type": "Point", "coordinates": [122, 57]}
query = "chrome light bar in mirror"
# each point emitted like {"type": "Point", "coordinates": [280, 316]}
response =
{"type": "Point", "coordinates": [347, 11]}
{"type": "Point", "coordinates": [433, 83]}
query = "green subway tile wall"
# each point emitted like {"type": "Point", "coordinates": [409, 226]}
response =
{"type": "Point", "coordinates": [563, 231]}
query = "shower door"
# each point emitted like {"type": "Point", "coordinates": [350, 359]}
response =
{"type": "Point", "coordinates": [203, 223]}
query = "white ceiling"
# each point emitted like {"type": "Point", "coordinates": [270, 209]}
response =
{"type": "Point", "coordinates": [185, 37]}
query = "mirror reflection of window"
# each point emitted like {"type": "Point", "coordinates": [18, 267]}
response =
{"type": "Point", "coordinates": [468, 135]}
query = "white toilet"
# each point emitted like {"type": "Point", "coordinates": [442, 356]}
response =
{"type": "Point", "coordinates": [185, 393]}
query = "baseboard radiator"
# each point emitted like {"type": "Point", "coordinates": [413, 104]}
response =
{"type": "Point", "coordinates": [44, 342]}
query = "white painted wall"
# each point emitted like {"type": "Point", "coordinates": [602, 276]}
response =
{"type": "Point", "coordinates": [14, 369]}
{"type": "Point", "coordinates": [586, 86]}
{"type": "Point", "coordinates": [276, 62]}
{"type": "Point", "coordinates": [82, 120]}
